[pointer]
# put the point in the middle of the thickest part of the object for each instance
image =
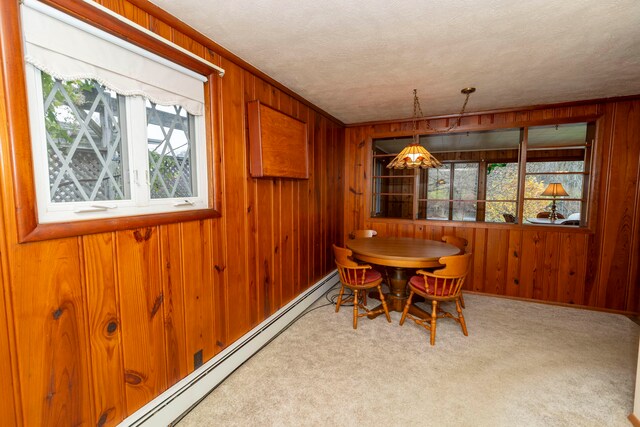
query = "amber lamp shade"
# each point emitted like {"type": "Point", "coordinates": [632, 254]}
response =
{"type": "Point", "coordinates": [555, 189]}
{"type": "Point", "coordinates": [414, 156]}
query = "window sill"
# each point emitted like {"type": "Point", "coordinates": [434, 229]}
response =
{"type": "Point", "coordinates": [78, 228]}
{"type": "Point", "coordinates": [486, 225]}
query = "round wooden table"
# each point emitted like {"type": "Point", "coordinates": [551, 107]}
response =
{"type": "Point", "coordinates": [400, 254]}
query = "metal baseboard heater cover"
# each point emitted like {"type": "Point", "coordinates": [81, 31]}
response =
{"type": "Point", "coordinates": [174, 403]}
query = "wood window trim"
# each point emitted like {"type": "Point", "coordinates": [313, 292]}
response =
{"type": "Point", "coordinates": [19, 139]}
{"type": "Point", "coordinates": [595, 132]}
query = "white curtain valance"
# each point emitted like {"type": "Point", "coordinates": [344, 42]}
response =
{"type": "Point", "coordinates": [67, 51]}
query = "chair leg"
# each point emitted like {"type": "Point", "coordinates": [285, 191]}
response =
{"type": "Point", "coordinates": [339, 298]}
{"type": "Point", "coordinates": [434, 317]}
{"type": "Point", "coordinates": [463, 324]}
{"type": "Point", "coordinates": [406, 308]}
{"type": "Point", "coordinates": [355, 309]}
{"type": "Point", "coordinates": [462, 300]}
{"type": "Point", "coordinates": [384, 304]}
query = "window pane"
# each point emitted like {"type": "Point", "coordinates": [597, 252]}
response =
{"type": "Point", "coordinates": [465, 181]}
{"type": "Point", "coordinates": [393, 206]}
{"type": "Point", "coordinates": [557, 136]}
{"type": "Point", "coordinates": [502, 181]}
{"type": "Point", "coordinates": [564, 208]}
{"type": "Point", "coordinates": [170, 140]}
{"type": "Point", "coordinates": [535, 185]}
{"type": "Point", "coordinates": [85, 151]}
{"type": "Point", "coordinates": [433, 210]}
{"type": "Point", "coordinates": [568, 166]}
{"type": "Point", "coordinates": [501, 212]}
{"type": "Point", "coordinates": [464, 211]}
{"type": "Point", "coordinates": [437, 182]}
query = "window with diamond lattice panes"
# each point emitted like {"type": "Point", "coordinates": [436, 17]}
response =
{"type": "Point", "coordinates": [85, 142]}
{"type": "Point", "coordinates": [170, 140]}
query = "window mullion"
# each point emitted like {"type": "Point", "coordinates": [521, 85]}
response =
{"type": "Point", "coordinates": [522, 172]}
{"type": "Point", "coordinates": [451, 187]}
{"type": "Point", "coordinates": [137, 136]}
{"type": "Point", "coordinates": [416, 185]}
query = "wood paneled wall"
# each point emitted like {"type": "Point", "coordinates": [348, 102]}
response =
{"type": "Point", "coordinates": [93, 327]}
{"type": "Point", "coordinates": [597, 267]}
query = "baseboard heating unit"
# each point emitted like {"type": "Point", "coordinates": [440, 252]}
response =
{"type": "Point", "coordinates": [178, 399]}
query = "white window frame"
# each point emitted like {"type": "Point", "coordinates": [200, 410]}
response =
{"type": "Point", "coordinates": [138, 167]}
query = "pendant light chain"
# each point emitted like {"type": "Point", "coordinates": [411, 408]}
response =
{"type": "Point", "coordinates": [417, 111]}
{"type": "Point", "coordinates": [414, 155]}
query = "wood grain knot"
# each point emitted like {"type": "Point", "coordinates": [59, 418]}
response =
{"type": "Point", "coordinates": [112, 327]}
{"type": "Point", "coordinates": [220, 344]}
{"type": "Point", "coordinates": [57, 313]}
{"type": "Point", "coordinates": [354, 191]}
{"type": "Point", "coordinates": [219, 269]}
{"type": "Point", "coordinates": [156, 305]}
{"type": "Point", "coordinates": [133, 377]}
{"type": "Point", "coordinates": [276, 251]}
{"type": "Point", "coordinates": [104, 417]}
{"type": "Point", "coordinates": [143, 238]}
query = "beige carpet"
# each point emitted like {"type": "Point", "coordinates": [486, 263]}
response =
{"type": "Point", "coordinates": [523, 364]}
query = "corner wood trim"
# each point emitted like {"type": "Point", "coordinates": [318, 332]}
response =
{"type": "Point", "coordinates": [634, 420]}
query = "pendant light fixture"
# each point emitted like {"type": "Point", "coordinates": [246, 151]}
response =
{"type": "Point", "coordinates": [415, 155]}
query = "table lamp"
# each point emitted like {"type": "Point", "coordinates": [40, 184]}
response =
{"type": "Point", "coordinates": [554, 190]}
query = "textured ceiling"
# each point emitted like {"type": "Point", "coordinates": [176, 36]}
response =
{"type": "Point", "coordinates": [360, 61]}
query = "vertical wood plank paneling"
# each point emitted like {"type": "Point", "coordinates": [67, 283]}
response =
{"type": "Point", "coordinates": [496, 261]}
{"type": "Point", "coordinates": [295, 213]}
{"type": "Point", "coordinates": [51, 333]}
{"type": "Point", "coordinates": [235, 169]}
{"type": "Point", "coordinates": [198, 268]}
{"type": "Point", "coordinates": [313, 206]}
{"type": "Point", "coordinates": [104, 328]}
{"type": "Point", "coordinates": [264, 211]}
{"type": "Point", "coordinates": [620, 206]}
{"type": "Point", "coordinates": [531, 269]}
{"type": "Point", "coordinates": [572, 258]}
{"type": "Point", "coordinates": [141, 300]}
{"type": "Point", "coordinates": [512, 283]}
{"type": "Point", "coordinates": [550, 267]}
{"type": "Point", "coordinates": [287, 237]}
{"type": "Point", "coordinates": [230, 273]}
{"type": "Point", "coordinates": [173, 303]}
{"type": "Point", "coordinates": [608, 274]}
{"type": "Point", "coordinates": [183, 287]}
{"type": "Point", "coordinates": [304, 212]}
{"type": "Point", "coordinates": [220, 299]}
{"type": "Point", "coordinates": [276, 295]}
{"type": "Point", "coordinates": [256, 292]}
{"type": "Point", "coordinates": [318, 242]}
{"type": "Point", "coordinates": [633, 294]}
{"type": "Point", "coordinates": [8, 411]}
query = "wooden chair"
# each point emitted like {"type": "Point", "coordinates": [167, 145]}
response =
{"type": "Point", "coordinates": [458, 242]}
{"type": "Point", "coordinates": [365, 234]}
{"type": "Point", "coordinates": [438, 286]}
{"type": "Point", "coordinates": [548, 214]}
{"type": "Point", "coordinates": [358, 278]}
{"type": "Point", "coordinates": [461, 244]}
{"type": "Point", "coordinates": [360, 234]}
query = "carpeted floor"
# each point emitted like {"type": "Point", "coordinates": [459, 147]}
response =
{"type": "Point", "coordinates": [523, 364]}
